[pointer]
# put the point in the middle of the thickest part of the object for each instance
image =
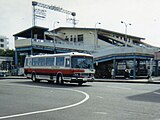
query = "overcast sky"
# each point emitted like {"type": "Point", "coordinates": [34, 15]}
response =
{"type": "Point", "coordinates": [144, 15]}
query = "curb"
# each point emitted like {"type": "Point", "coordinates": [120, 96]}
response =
{"type": "Point", "coordinates": [13, 77]}
{"type": "Point", "coordinates": [128, 81]}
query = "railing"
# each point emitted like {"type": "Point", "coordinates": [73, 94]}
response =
{"type": "Point", "coordinates": [23, 42]}
{"type": "Point", "coordinates": [50, 43]}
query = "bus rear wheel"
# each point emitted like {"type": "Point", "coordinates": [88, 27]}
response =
{"type": "Point", "coordinates": [80, 83]}
{"type": "Point", "coordinates": [34, 79]}
{"type": "Point", "coordinates": [59, 80]}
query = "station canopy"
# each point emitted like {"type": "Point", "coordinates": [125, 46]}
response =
{"type": "Point", "coordinates": [30, 32]}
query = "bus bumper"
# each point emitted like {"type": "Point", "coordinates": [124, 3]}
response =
{"type": "Point", "coordinates": [83, 80]}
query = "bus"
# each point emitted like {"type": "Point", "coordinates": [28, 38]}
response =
{"type": "Point", "coordinates": [70, 67]}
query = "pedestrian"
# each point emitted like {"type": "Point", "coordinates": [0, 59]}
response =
{"type": "Point", "coordinates": [112, 73]}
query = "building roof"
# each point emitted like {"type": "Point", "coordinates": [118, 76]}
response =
{"type": "Point", "coordinates": [101, 30]}
{"type": "Point", "coordinates": [29, 33]}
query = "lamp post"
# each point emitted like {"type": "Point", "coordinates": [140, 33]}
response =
{"type": "Point", "coordinates": [96, 38]}
{"type": "Point", "coordinates": [54, 32]}
{"type": "Point", "coordinates": [150, 79]}
{"type": "Point", "coordinates": [126, 25]}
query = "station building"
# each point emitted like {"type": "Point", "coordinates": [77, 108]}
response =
{"type": "Point", "coordinates": [114, 52]}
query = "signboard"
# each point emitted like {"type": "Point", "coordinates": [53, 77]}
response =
{"type": "Point", "coordinates": [121, 66]}
{"type": "Point", "coordinates": [157, 56]}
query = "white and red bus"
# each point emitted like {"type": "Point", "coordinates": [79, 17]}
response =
{"type": "Point", "coordinates": [71, 67]}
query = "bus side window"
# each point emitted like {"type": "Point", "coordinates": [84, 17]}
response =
{"type": "Point", "coordinates": [50, 61]}
{"type": "Point", "coordinates": [59, 61]}
{"type": "Point", "coordinates": [41, 61]}
{"type": "Point", "coordinates": [35, 61]}
{"type": "Point", "coordinates": [67, 62]}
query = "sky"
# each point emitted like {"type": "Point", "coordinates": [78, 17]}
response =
{"type": "Point", "coordinates": [143, 15]}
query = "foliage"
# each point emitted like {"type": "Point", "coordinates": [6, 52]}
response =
{"type": "Point", "coordinates": [7, 53]}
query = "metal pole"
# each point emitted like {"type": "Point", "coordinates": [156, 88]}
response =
{"type": "Point", "coordinates": [96, 37]}
{"type": "Point", "coordinates": [126, 25]}
{"type": "Point", "coordinates": [54, 31]}
{"type": "Point", "coordinates": [134, 68]}
{"type": "Point", "coordinates": [34, 18]}
{"type": "Point", "coordinates": [34, 3]}
{"type": "Point", "coordinates": [16, 57]}
{"type": "Point", "coordinates": [150, 70]}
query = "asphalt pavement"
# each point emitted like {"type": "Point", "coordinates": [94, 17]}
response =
{"type": "Point", "coordinates": [22, 99]}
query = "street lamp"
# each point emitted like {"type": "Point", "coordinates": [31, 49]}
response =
{"type": "Point", "coordinates": [54, 32]}
{"type": "Point", "coordinates": [96, 37]}
{"type": "Point", "coordinates": [126, 25]}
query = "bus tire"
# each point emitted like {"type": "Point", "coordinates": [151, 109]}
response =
{"type": "Point", "coordinates": [34, 79]}
{"type": "Point", "coordinates": [80, 83]}
{"type": "Point", "coordinates": [59, 80]}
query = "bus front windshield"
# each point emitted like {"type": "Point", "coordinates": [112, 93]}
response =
{"type": "Point", "coordinates": [82, 62]}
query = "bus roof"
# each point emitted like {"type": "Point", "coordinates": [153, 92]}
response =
{"type": "Point", "coordinates": [62, 54]}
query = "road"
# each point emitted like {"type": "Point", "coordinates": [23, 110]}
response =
{"type": "Point", "coordinates": [22, 99]}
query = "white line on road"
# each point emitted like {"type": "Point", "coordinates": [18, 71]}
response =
{"type": "Point", "coordinates": [101, 113]}
{"type": "Point", "coordinates": [100, 97]}
{"type": "Point", "coordinates": [156, 93]}
{"type": "Point", "coordinates": [49, 110]}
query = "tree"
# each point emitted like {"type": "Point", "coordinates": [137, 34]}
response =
{"type": "Point", "coordinates": [7, 53]}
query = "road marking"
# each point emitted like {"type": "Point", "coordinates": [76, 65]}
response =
{"type": "Point", "coordinates": [120, 87]}
{"type": "Point", "coordinates": [99, 97]}
{"type": "Point", "coordinates": [101, 113]}
{"type": "Point", "coordinates": [156, 93]}
{"type": "Point", "coordinates": [48, 110]}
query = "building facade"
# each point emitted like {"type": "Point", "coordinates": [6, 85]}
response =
{"type": "Point", "coordinates": [4, 43]}
{"type": "Point", "coordinates": [116, 55]}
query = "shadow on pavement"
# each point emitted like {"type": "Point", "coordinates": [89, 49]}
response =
{"type": "Point", "coordinates": [44, 83]}
{"type": "Point", "coordinates": [147, 97]}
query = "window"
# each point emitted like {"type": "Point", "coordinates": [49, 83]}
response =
{"type": "Point", "coordinates": [1, 40]}
{"type": "Point", "coordinates": [60, 61]}
{"type": "Point", "coordinates": [41, 61]}
{"type": "Point", "coordinates": [50, 61]}
{"type": "Point", "coordinates": [29, 61]}
{"type": "Point", "coordinates": [2, 45]}
{"type": "Point", "coordinates": [71, 39]}
{"type": "Point", "coordinates": [82, 62]}
{"type": "Point", "coordinates": [35, 61]}
{"type": "Point", "coordinates": [38, 61]}
{"type": "Point", "coordinates": [80, 38]}
{"type": "Point", "coordinates": [66, 38]}
{"type": "Point", "coordinates": [26, 62]}
{"type": "Point", "coordinates": [67, 62]}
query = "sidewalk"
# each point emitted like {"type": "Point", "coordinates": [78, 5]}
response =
{"type": "Point", "coordinates": [155, 80]}
{"type": "Point", "coordinates": [13, 77]}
